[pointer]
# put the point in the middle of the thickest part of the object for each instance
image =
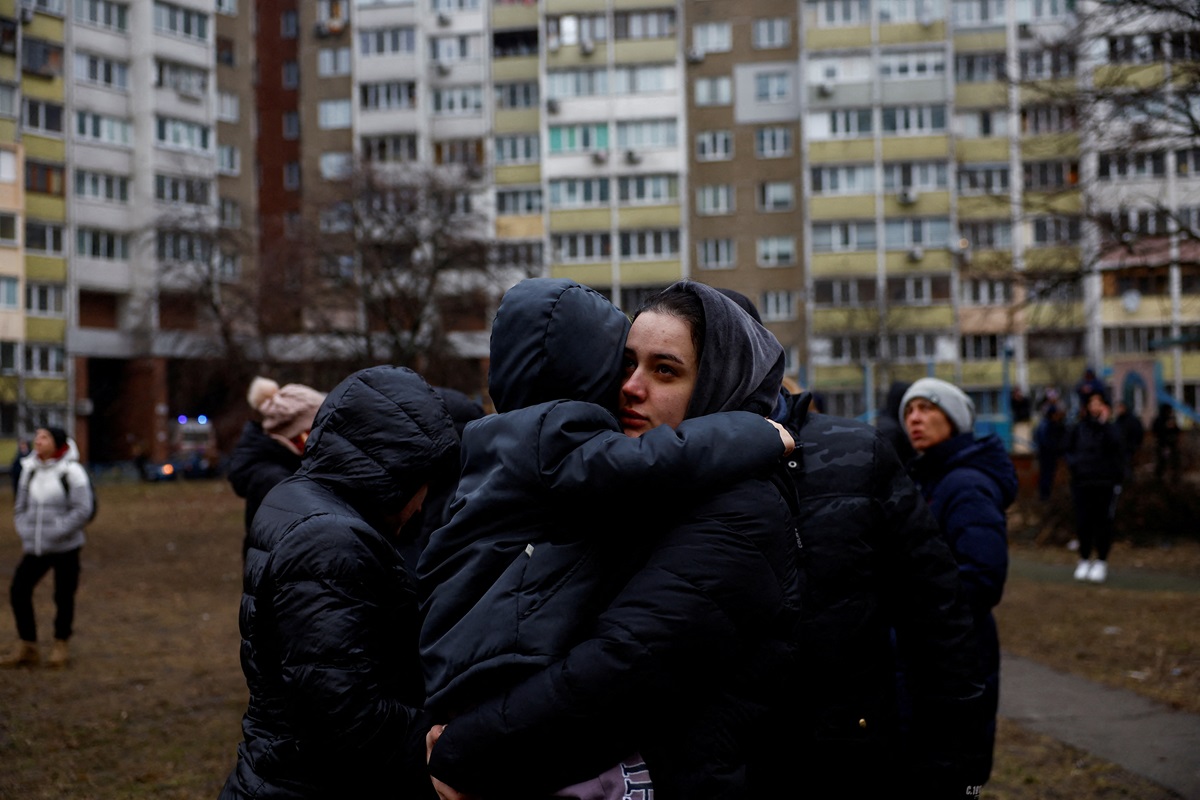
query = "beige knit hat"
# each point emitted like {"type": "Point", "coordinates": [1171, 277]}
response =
{"type": "Point", "coordinates": [287, 412]}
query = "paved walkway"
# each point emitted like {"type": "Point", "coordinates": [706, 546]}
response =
{"type": "Point", "coordinates": [1141, 735]}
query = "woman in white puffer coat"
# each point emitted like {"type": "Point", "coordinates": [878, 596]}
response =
{"type": "Point", "coordinates": [53, 504]}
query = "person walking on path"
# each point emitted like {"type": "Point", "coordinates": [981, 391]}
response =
{"type": "Point", "coordinates": [1096, 461]}
{"type": "Point", "coordinates": [329, 618]}
{"type": "Point", "coordinates": [270, 450]}
{"type": "Point", "coordinates": [969, 484]}
{"type": "Point", "coordinates": [53, 505]}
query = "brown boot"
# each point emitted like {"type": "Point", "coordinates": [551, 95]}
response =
{"type": "Point", "coordinates": [58, 654]}
{"type": "Point", "coordinates": [24, 654]}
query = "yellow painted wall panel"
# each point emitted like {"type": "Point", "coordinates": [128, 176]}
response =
{"type": "Point", "coordinates": [45, 207]}
{"type": "Point", "coordinates": [645, 51]}
{"type": "Point", "coordinates": [853, 206]}
{"type": "Point", "coordinates": [920, 318]}
{"type": "Point", "coordinates": [841, 320]}
{"type": "Point", "coordinates": [903, 148]}
{"type": "Point", "coordinates": [518, 174]}
{"type": "Point", "coordinates": [8, 130]}
{"type": "Point", "coordinates": [836, 152]}
{"type": "Point", "coordinates": [581, 220]}
{"type": "Point", "coordinates": [524, 226]}
{"type": "Point", "coordinates": [980, 151]}
{"type": "Point", "coordinates": [595, 275]}
{"type": "Point", "coordinates": [45, 329]}
{"type": "Point", "coordinates": [648, 273]}
{"type": "Point", "coordinates": [518, 120]}
{"type": "Point", "coordinates": [933, 259]}
{"type": "Point", "coordinates": [980, 42]}
{"type": "Point", "coordinates": [1151, 309]}
{"type": "Point", "coordinates": [46, 391]}
{"type": "Point", "coordinates": [982, 373]}
{"type": "Point", "coordinates": [514, 15]}
{"type": "Point", "coordinates": [927, 204]}
{"type": "Point", "coordinates": [835, 376]}
{"type": "Point", "coordinates": [44, 148]}
{"type": "Point", "coordinates": [1059, 146]}
{"type": "Point", "coordinates": [649, 217]}
{"type": "Point", "coordinates": [980, 95]}
{"type": "Point", "coordinates": [1057, 259]}
{"type": "Point", "coordinates": [45, 268]}
{"type": "Point", "coordinates": [1142, 76]}
{"type": "Point", "coordinates": [515, 68]}
{"type": "Point", "coordinates": [833, 264]}
{"type": "Point", "coordinates": [912, 33]}
{"type": "Point", "coordinates": [990, 206]}
{"type": "Point", "coordinates": [819, 39]}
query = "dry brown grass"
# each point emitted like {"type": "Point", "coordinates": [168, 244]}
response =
{"type": "Point", "coordinates": [151, 705]}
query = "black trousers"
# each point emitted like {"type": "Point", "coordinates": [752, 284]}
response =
{"type": "Point", "coordinates": [1095, 508]}
{"type": "Point", "coordinates": [29, 572]}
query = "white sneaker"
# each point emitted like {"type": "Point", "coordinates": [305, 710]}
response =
{"type": "Point", "coordinates": [1082, 570]}
{"type": "Point", "coordinates": [1099, 572]}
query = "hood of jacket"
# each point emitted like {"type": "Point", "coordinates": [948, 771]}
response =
{"type": "Point", "coordinates": [554, 339]}
{"type": "Point", "coordinates": [986, 455]}
{"type": "Point", "coordinates": [379, 435]}
{"type": "Point", "coordinates": [741, 363]}
{"type": "Point", "coordinates": [32, 461]}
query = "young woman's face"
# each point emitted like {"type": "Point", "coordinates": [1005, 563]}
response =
{"type": "Point", "coordinates": [660, 373]}
{"type": "Point", "coordinates": [926, 424]}
{"type": "Point", "coordinates": [43, 444]}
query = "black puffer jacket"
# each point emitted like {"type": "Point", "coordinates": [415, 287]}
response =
{"type": "Point", "coordinates": [536, 547]}
{"type": "Point", "coordinates": [1093, 452]}
{"type": "Point", "coordinates": [258, 463]}
{"type": "Point", "coordinates": [685, 659]}
{"type": "Point", "coordinates": [872, 562]}
{"type": "Point", "coordinates": [329, 617]}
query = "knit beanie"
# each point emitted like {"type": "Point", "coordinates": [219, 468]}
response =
{"type": "Point", "coordinates": [59, 436]}
{"type": "Point", "coordinates": [287, 411]}
{"type": "Point", "coordinates": [953, 402]}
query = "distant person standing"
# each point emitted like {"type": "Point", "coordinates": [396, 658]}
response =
{"type": "Point", "coordinates": [891, 426]}
{"type": "Point", "coordinates": [15, 470]}
{"type": "Point", "coordinates": [54, 502]}
{"type": "Point", "coordinates": [1133, 433]}
{"type": "Point", "coordinates": [969, 484]}
{"type": "Point", "coordinates": [1097, 465]}
{"type": "Point", "coordinates": [1088, 385]}
{"type": "Point", "coordinates": [270, 450]}
{"type": "Point", "coordinates": [1166, 443]}
{"type": "Point", "coordinates": [1048, 440]}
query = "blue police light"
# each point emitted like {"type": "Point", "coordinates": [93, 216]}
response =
{"type": "Point", "coordinates": [182, 419]}
{"type": "Point", "coordinates": [203, 420]}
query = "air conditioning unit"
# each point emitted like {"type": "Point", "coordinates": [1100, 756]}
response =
{"type": "Point", "coordinates": [442, 68]}
{"type": "Point", "coordinates": [825, 89]}
{"type": "Point", "coordinates": [908, 195]}
{"type": "Point", "coordinates": [552, 105]}
{"type": "Point", "coordinates": [916, 254]}
{"type": "Point", "coordinates": [633, 157]}
{"type": "Point", "coordinates": [600, 157]}
{"type": "Point", "coordinates": [443, 19]}
{"type": "Point", "coordinates": [26, 8]}
{"type": "Point", "coordinates": [587, 47]}
{"type": "Point", "coordinates": [695, 55]}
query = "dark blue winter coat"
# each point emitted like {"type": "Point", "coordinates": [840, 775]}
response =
{"type": "Point", "coordinates": [537, 546]}
{"type": "Point", "coordinates": [329, 617]}
{"type": "Point", "coordinates": [1094, 453]}
{"type": "Point", "coordinates": [685, 659]}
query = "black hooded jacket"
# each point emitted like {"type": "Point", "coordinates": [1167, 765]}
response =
{"type": "Point", "coordinates": [258, 463]}
{"type": "Point", "coordinates": [695, 645]}
{"type": "Point", "coordinates": [536, 547]}
{"type": "Point", "coordinates": [329, 617]}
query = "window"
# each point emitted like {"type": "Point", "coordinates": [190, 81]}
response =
{"type": "Point", "coordinates": [333, 61]}
{"type": "Point", "coordinates": [45, 238]}
{"type": "Point", "coordinates": [844, 292]}
{"type": "Point", "coordinates": [573, 29]}
{"type": "Point", "coordinates": [931, 175]}
{"type": "Point", "coordinates": [578, 138]}
{"type": "Point", "coordinates": [918, 290]}
{"type": "Point", "coordinates": [716, 91]}
{"type": "Point", "coordinates": [644, 24]}
{"type": "Point", "coordinates": [859, 179]}
{"type": "Point", "coordinates": [714, 146]}
{"type": "Point", "coordinates": [986, 291]}
{"type": "Point", "coordinates": [176, 189]}
{"type": "Point", "coordinates": [842, 123]}
{"type": "Point", "coordinates": [914, 120]}
{"type": "Point", "coordinates": [177, 21]}
{"type": "Point", "coordinates": [44, 299]}
{"type": "Point", "coordinates": [901, 234]}
{"type": "Point", "coordinates": [452, 49]}
{"type": "Point", "coordinates": [291, 125]}
{"type": "Point", "coordinates": [333, 114]}
{"type": "Point", "coordinates": [227, 107]}
{"type": "Point", "coordinates": [518, 201]}
{"type": "Point", "coordinates": [644, 79]}
{"type": "Point", "coordinates": [9, 287]}
{"type": "Point", "coordinates": [776, 196]}
{"type": "Point", "coordinates": [226, 51]}
{"type": "Point", "coordinates": [838, 13]}
{"type": "Point", "coordinates": [189, 81]}
{"type": "Point", "coordinates": [383, 42]}
{"type": "Point", "coordinates": [8, 166]}
{"type": "Point", "coordinates": [776, 251]}
{"type": "Point", "coordinates": [912, 66]}
{"type": "Point", "coordinates": [1056, 230]}
{"type": "Point", "coordinates": [1187, 162]}
{"type": "Point", "coordinates": [227, 7]}
{"type": "Point", "coordinates": [291, 175]}
{"type": "Point", "coordinates": [912, 347]}
{"type": "Point", "coordinates": [648, 190]}
{"type": "Point", "coordinates": [571, 248]}
{"type": "Point", "coordinates": [101, 71]}
{"type": "Point", "coordinates": [716, 254]}
{"type": "Point", "coordinates": [986, 234]}
{"type": "Point", "coordinates": [772, 87]}
{"type": "Point", "coordinates": [653, 133]}
{"type": "Point", "coordinates": [8, 229]}
{"type": "Point", "coordinates": [843, 350]}
{"type": "Point", "coordinates": [336, 166]}
{"type": "Point", "coordinates": [1058, 62]}
{"type": "Point", "coordinates": [771, 33]}
{"type": "Point", "coordinates": [975, 179]}
{"type": "Point", "coordinates": [1044, 175]}
{"type": "Point", "coordinates": [101, 186]}
{"type": "Point", "coordinates": [45, 178]}
{"type": "Point", "coordinates": [457, 100]}
{"type": "Point", "coordinates": [289, 25]}
{"type": "Point", "coordinates": [715, 199]}
{"type": "Point", "coordinates": [1132, 166]}
{"type": "Point", "coordinates": [576, 83]}
{"type": "Point", "coordinates": [773, 141]}
{"type": "Point", "coordinates": [979, 68]}
{"type": "Point", "coordinates": [390, 96]}
{"type": "Point", "coordinates": [41, 58]}
{"type": "Point", "coordinates": [1048, 119]}
{"type": "Point", "coordinates": [101, 244]}
{"type": "Point", "coordinates": [981, 347]}
{"type": "Point", "coordinates": [978, 12]}
{"type": "Point", "coordinates": [778, 306]}
{"type": "Point", "coordinates": [981, 124]}
{"type": "Point", "coordinates": [8, 100]}
{"type": "Point", "coordinates": [579, 192]}
{"type": "Point", "coordinates": [102, 128]}
{"type": "Point", "coordinates": [290, 75]}
{"type": "Point", "coordinates": [517, 95]}
{"type": "Point", "coordinates": [44, 359]}
{"type": "Point", "coordinates": [649, 245]}
{"type": "Point", "coordinates": [517, 149]}
{"type": "Point", "coordinates": [337, 218]}
{"type": "Point", "coordinates": [230, 213]}
{"type": "Point", "coordinates": [229, 159]}
{"type": "Point", "coordinates": [712, 37]}
{"type": "Point", "coordinates": [39, 116]}
{"type": "Point", "coordinates": [835, 237]}
{"type": "Point", "coordinates": [178, 134]}
{"type": "Point", "coordinates": [8, 366]}
{"type": "Point", "coordinates": [103, 14]}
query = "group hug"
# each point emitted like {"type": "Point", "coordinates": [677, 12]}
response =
{"type": "Point", "coordinates": [652, 571]}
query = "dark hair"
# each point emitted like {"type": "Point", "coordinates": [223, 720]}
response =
{"type": "Point", "coordinates": [678, 301]}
